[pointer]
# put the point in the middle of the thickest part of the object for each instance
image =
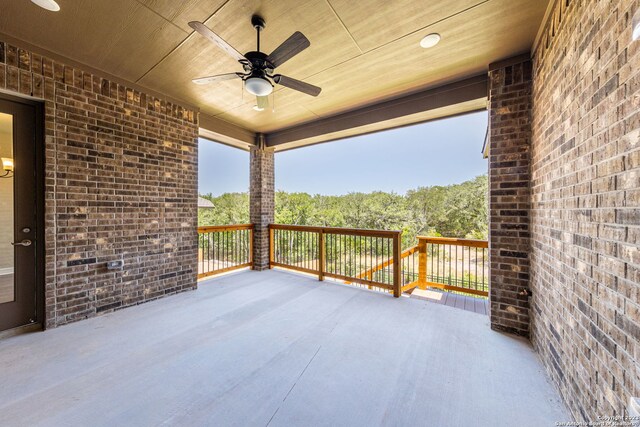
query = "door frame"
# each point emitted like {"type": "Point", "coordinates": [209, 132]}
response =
{"type": "Point", "coordinates": [40, 207]}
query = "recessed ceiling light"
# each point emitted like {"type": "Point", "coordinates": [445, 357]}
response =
{"type": "Point", "coordinates": [430, 40]}
{"type": "Point", "coordinates": [47, 4]}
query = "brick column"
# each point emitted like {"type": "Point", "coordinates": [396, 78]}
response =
{"type": "Point", "coordinates": [261, 201]}
{"type": "Point", "coordinates": [510, 105]}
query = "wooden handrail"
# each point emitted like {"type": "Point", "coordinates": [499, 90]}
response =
{"type": "Point", "coordinates": [337, 230]}
{"type": "Point", "coordinates": [233, 227]}
{"type": "Point", "coordinates": [455, 241]}
{"type": "Point", "coordinates": [295, 227]}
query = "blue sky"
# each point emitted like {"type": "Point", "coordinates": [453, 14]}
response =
{"type": "Point", "coordinates": [435, 153]}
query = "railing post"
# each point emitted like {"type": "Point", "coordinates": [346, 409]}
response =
{"type": "Point", "coordinates": [422, 263]}
{"type": "Point", "coordinates": [271, 247]}
{"type": "Point", "coordinates": [397, 266]}
{"type": "Point", "coordinates": [321, 255]}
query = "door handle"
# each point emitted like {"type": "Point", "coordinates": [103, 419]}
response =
{"type": "Point", "coordinates": [25, 242]}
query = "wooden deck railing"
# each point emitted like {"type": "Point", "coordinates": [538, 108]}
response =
{"type": "Point", "coordinates": [459, 265]}
{"type": "Point", "coordinates": [340, 253]}
{"type": "Point", "coordinates": [224, 248]}
{"type": "Point", "coordinates": [356, 256]}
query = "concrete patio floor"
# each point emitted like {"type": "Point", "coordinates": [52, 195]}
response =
{"type": "Point", "coordinates": [274, 348]}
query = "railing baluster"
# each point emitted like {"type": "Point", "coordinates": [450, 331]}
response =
{"type": "Point", "coordinates": [310, 251]}
{"type": "Point", "coordinates": [433, 255]}
{"type": "Point", "coordinates": [343, 252]}
{"type": "Point", "coordinates": [483, 264]}
{"type": "Point", "coordinates": [462, 250]}
{"type": "Point", "coordinates": [206, 253]}
{"type": "Point", "coordinates": [397, 268]}
{"type": "Point", "coordinates": [321, 255]}
{"type": "Point", "coordinates": [250, 245]}
{"type": "Point", "coordinates": [475, 275]}
{"type": "Point", "coordinates": [345, 255]}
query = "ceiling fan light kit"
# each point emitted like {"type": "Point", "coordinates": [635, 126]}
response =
{"type": "Point", "coordinates": [258, 67]}
{"type": "Point", "coordinates": [258, 86]}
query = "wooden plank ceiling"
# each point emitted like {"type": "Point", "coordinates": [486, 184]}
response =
{"type": "Point", "coordinates": [361, 52]}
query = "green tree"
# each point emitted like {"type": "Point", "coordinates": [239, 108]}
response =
{"type": "Point", "coordinates": [229, 208]}
{"type": "Point", "coordinates": [457, 210]}
{"type": "Point", "coordinates": [294, 208]}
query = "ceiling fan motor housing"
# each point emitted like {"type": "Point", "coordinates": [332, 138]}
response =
{"type": "Point", "coordinates": [257, 61]}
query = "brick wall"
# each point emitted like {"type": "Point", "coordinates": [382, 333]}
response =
{"type": "Point", "coordinates": [509, 195]}
{"type": "Point", "coordinates": [585, 218]}
{"type": "Point", "coordinates": [262, 203]}
{"type": "Point", "coordinates": [121, 183]}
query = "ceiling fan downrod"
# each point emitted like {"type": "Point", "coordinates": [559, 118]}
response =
{"type": "Point", "coordinates": [258, 23]}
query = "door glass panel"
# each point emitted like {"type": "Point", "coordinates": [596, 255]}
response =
{"type": "Point", "coordinates": [7, 286]}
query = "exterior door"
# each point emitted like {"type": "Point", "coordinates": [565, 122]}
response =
{"type": "Point", "coordinates": [20, 140]}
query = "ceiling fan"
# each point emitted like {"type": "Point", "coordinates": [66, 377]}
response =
{"type": "Point", "coordinates": [258, 67]}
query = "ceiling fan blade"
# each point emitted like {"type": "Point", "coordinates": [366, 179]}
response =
{"type": "Point", "coordinates": [222, 44]}
{"type": "Point", "coordinates": [262, 102]}
{"type": "Point", "coordinates": [289, 48]}
{"type": "Point", "coordinates": [298, 85]}
{"type": "Point", "coordinates": [218, 78]}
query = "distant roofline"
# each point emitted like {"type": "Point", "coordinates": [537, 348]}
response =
{"type": "Point", "coordinates": [204, 203]}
